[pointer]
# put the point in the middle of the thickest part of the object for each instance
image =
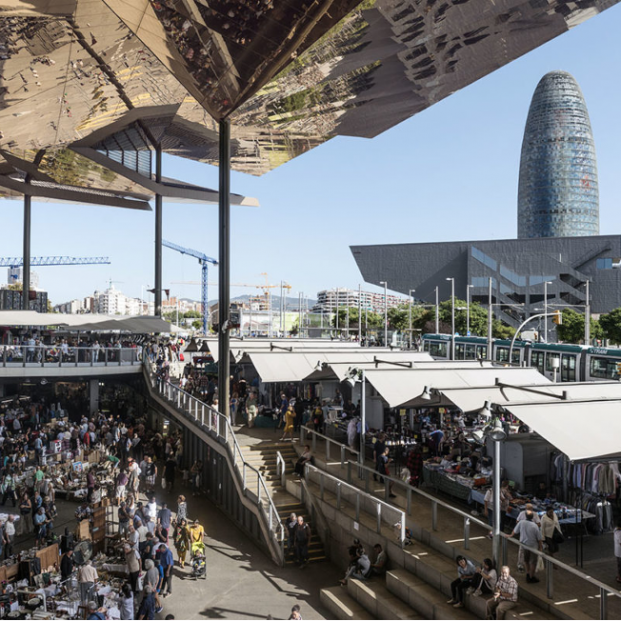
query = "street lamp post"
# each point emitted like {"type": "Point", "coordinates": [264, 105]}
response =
{"type": "Point", "coordinates": [497, 434]}
{"type": "Point", "coordinates": [545, 310]}
{"type": "Point", "coordinates": [383, 282]}
{"type": "Point", "coordinates": [300, 315]}
{"type": "Point", "coordinates": [468, 287]}
{"type": "Point", "coordinates": [411, 302]}
{"type": "Point", "coordinates": [587, 316]}
{"type": "Point", "coordinates": [452, 317]}
{"type": "Point", "coordinates": [359, 314]}
{"type": "Point", "coordinates": [437, 310]}
{"type": "Point", "coordinates": [490, 320]}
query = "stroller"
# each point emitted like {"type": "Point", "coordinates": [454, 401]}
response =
{"type": "Point", "coordinates": [198, 562]}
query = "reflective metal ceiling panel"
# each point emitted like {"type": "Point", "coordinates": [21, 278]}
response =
{"type": "Point", "coordinates": [289, 74]}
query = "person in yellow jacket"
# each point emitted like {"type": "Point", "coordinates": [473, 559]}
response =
{"type": "Point", "coordinates": [289, 423]}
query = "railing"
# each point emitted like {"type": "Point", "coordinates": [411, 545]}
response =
{"type": "Point", "coordinates": [342, 448]}
{"type": "Point", "coordinates": [601, 591]}
{"type": "Point", "coordinates": [218, 425]}
{"type": "Point", "coordinates": [59, 356]}
{"type": "Point", "coordinates": [387, 515]}
{"type": "Point", "coordinates": [281, 468]}
{"type": "Point", "coordinates": [319, 519]}
{"type": "Point", "coordinates": [365, 472]}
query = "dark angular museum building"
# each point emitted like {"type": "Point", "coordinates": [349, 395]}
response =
{"type": "Point", "coordinates": [518, 269]}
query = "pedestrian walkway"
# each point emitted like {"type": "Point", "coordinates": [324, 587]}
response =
{"type": "Point", "coordinates": [242, 581]}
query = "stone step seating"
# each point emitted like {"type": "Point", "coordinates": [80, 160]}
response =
{"type": "Point", "coordinates": [378, 601]}
{"type": "Point", "coordinates": [432, 573]}
{"type": "Point", "coordinates": [342, 605]}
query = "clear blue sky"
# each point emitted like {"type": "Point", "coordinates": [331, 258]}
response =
{"type": "Point", "coordinates": [447, 174]}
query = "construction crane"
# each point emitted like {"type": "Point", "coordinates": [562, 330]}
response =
{"type": "Point", "coordinates": [13, 262]}
{"type": "Point", "coordinates": [204, 260]}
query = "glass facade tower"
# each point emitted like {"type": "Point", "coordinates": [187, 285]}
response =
{"type": "Point", "coordinates": [558, 194]}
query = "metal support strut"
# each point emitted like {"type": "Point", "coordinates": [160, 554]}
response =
{"type": "Point", "coordinates": [26, 261]}
{"type": "Point", "coordinates": [224, 211]}
{"type": "Point", "coordinates": [158, 234]}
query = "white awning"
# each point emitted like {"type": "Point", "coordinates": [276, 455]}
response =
{"type": "Point", "coordinates": [397, 387]}
{"type": "Point", "coordinates": [582, 430]}
{"type": "Point", "coordinates": [87, 322]}
{"type": "Point", "coordinates": [282, 366]}
{"type": "Point", "coordinates": [471, 399]}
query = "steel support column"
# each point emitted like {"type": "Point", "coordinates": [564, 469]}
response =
{"type": "Point", "coordinates": [158, 235]}
{"type": "Point", "coordinates": [224, 267]}
{"type": "Point", "coordinates": [26, 251]}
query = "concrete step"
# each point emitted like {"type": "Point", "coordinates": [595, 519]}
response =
{"type": "Point", "coordinates": [342, 605]}
{"type": "Point", "coordinates": [379, 601]}
{"type": "Point", "coordinates": [424, 598]}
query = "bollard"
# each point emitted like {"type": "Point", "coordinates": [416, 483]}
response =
{"type": "Point", "coordinates": [549, 579]}
{"type": "Point", "coordinates": [379, 518]}
{"type": "Point", "coordinates": [466, 533]}
{"type": "Point", "coordinates": [434, 516]}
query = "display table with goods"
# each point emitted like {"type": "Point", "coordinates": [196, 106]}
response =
{"type": "Point", "coordinates": [566, 514]}
{"type": "Point", "coordinates": [450, 481]}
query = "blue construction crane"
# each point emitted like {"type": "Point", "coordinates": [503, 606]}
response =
{"type": "Point", "coordinates": [13, 262]}
{"type": "Point", "coordinates": [204, 260]}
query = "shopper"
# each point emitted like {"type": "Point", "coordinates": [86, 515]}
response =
{"type": "Point", "coordinates": [505, 595]}
{"type": "Point", "coordinates": [166, 560]}
{"type": "Point", "coordinates": [530, 537]}
{"type": "Point", "coordinates": [485, 579]}
{"type": "Point", "coordinates": [551, 531]}
{"type": "Point", "coordinates": [132, 558]}
{"type": "Point", "coordinates": [302, 540]}
{"type": "Point", "coordinates": [87, 579]}
{"type": "Point", "coordinates": [127, 603]}
{"type": "Point", "coordinates": [617, 542]}
{"type": "Point", "coordinates": [466, 572]}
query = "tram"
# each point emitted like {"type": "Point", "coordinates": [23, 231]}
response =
{"type": "Point", "coordinates": [557, 361]}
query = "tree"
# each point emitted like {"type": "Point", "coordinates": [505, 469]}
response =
{"type": "Point", "coordinates": [478, 317]}
{"type": "Point", "coordinates": [611, 325]}
{"type": "Point", "coordinates": [197, 325]}
{"type": "Point", "coordinates": [192, 314]}
{"type": "Point", "coordinates": [501, 330]}
{"type": "Point", "coordinates": [371, 320]}
{"type": "Point", "coordinates": [572, 328]}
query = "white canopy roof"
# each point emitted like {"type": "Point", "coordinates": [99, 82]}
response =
{"type": "Point", "coordinates": [86, 322]}
{"type": "Point", "coordinates": [470, 399]}
{"type": "Point", "coordinates": [581, 430]}
{"type": "Point", "coordinates": [241, 346]}
{"type": "Point", "coordinates": [399, 386]}
{"type": "Point", "coordinates": [283, 366]}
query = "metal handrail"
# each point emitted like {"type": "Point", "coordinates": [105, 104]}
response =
{"type": "Point", "coordinates": [281, 468]}
{"type": "Point", "coordinates": [339, 484]}
{"type": "Point", "coordinates": [604, 589]}
{"type": "Point", "coordinates": [342, 447]}
{"type": "Point", "coordinates": [31, 355]}
{"type": "Point", "coordinates": [190, 404]}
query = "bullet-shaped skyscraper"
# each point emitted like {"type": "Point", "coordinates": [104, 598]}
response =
{"type": "Point", "coordinates": [558, 194]}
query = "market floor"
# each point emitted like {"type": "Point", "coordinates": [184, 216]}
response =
{"type": "Point", "coordinates": [242, 582]}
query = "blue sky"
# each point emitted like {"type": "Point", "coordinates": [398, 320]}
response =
{"type": "Point", "coordinates": [447, 174]}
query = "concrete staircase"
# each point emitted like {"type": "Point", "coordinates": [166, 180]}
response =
{"type": "Point", "coordinates": [263, 457]}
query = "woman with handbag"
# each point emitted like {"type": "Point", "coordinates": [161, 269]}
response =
{"type": "Point", "coordinates": [551, 531]}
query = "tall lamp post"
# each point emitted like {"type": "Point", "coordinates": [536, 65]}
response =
{"type": "Point", "coordinates": [411, 302]}
{"type": "Point", "coordinates": [498, 435]}
{"type": "Point", "coordinates": [452, 317]}
{"type": "Point", "coordinates": [587, 316]}
{"type": "Point", "coordinates": [437, 310]}
{"type": "Point", "coordinates": [383, 282]}
{"type": "Point", "coordinates": [357, 375]}
{"type": "Point", "coordinates": [468, 287]}
{"type": "Point", "coordinates": [359, 314]}
{"type": "Point", "coordinates": [545, 310]}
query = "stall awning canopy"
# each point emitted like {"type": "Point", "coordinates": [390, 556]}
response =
{"type": "Point", "coordinates": [239, 347]}
{"type": "Point", "coordinates": [584, 431]}
{"type": "Point", "coordinates": [471, 399]}
{"type": "Point", "coordinates": [399, 388]}
{"type": "Point", "coordinates": [304, 364]}
{"type": "Point", "coordinates": [84, 323]}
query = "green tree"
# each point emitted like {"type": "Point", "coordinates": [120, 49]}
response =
{"type": "Point", "coordinates": [478, 317]}
{"type": "Point", "coordinates": [611, 325]}
{"type": "Point", "coordinates": [501, 330]}
{"type": "Point", "coordinates": [197, 325]}
{"type": "Point", "coordinates": [192, 315]}
{"type": "Point", "coordinates": [572, 328]}
{"type": "Point", "coordinates": [371, 320]}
